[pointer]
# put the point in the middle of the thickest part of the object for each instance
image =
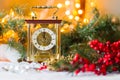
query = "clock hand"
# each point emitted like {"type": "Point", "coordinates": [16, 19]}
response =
{"type": "Point", "coordinates": [44, 35]}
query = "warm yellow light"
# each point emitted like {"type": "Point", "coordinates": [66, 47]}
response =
{"type": "Point", "coordinates": [92, 4]}
{"type": "Point", "coordinates": [50, 26]}
{"type": "Point", "coordinates": [77, 5]}
{"type": "Point", "coordinates": [12, 13]}
{"type": "Point", "coordinates": [37, 27]}
{"type": "Point", "coordinates": [67, 12]}
{"type": "Point", "coordinates": [11, 34]}
{"type": "Point", "coordinates": [75, 12]}
{"type": "Point", "coordinates": [65, 28]}
{"type": "Point", "coordinates": [3, 20]}
{"type": "Point", "coordinates": [33, 14]}
{"type": "Point", "coordinates": [67, 2]}
{"type": "Point", "coordinates": [80, 11]}
{"type": "Point", "coordinates": [85, 20]}
{"type": "Point", "coordinates": [62, 30]}
{"type": "Point", "coordinates": [77, 18]}
{"type": "Point", "coordinates": [70, 16]}
{"type": "Point", "coordinates": [59, 5]}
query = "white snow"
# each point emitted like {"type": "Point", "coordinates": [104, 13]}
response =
{"type": "Point", "coordinates": [9, 53]}
{"type": "Point", "coordinates": [29, 73]}
{"type": "Point", "coordinates": [26, 71]}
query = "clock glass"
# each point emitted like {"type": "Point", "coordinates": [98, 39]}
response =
{"type": "Point", "coordinates": [44, 39]}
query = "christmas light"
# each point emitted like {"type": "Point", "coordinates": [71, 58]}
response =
{"type": "Point", "coordinates": [3, 20]}
{"type": "Point", "coordinates": [77, 18]}
{"type": "Point", "coordinates": [12, 13]}
{"type": "Point", "coordinates": [62, 30]}
{"type": "Point", "coordinates": [59, 5]}
{"type": "Point", "coordinates": [92, 4]}
{"type": "Point", "coordinates": [70, 16]}
{"type": "Point", "coordinates": [32, 14]}
{"type": "Point", "coordinates": [75, 12]}
{"type": "Point", "coordinates": [77, 5]}
{"type": "Point", "coordinates": [66, 26]}
{"type": "Point", "coordinates": [67, 12]}
{"type": "Point", "coordinates": [67, 2]}
{"type": "Point", "coordinates": [80, 11]}
{"type": "Point", "coordinates": [85, 20]}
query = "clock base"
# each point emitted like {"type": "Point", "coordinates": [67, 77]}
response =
{"type": "Point", "coordinates": [41, 56]}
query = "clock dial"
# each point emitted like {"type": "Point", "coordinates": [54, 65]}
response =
{"type": "Point", "coordinates": [44, 39]}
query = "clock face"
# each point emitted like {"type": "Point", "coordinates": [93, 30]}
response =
{"type": "Point", "coordinates": [44, 39]}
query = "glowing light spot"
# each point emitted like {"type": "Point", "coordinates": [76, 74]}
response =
{"type": "Point", "coordinates": [80, 11]}
{"type": "Point", "coordinates": [12, 13]}
{"type": "Point", "coordinates": [67, 12]}
{"type": "Point", "coordinates": [92, 4]}
{"type": "Point", "coordinates": [33, 14]}
{"type": "Point", "coordinates": [59, 5]}
{"type": "Point", "coordinates": [70, 16]}
{"type": "Point", "coordinates": [77, 5]}
{"type": "Point", "coordinates": [77, 18]}
{"type": "Point", "coordinates": [85, 20]}
{"type": "Point", "coordinates": [67, 2]}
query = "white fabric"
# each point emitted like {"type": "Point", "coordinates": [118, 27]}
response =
{"type": "Point", "coordinates": [10, 53]}
{"type": "Point", "coordinates": [32, 74]}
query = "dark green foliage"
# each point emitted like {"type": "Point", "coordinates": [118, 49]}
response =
{"type": "Point", "coordinates": [100, 27]}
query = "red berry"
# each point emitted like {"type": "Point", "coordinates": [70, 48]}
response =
{"type": "Point", "coordinates": [86, 66]}
{"type": "Point", "coordinates": [76, 57]}
{"type": "Point", "coordinates": [83, 69]}
{"type": "Point", "coordinates": [91, 46]}
{"type": "Point", "coordinates": [96, 48]}
{"type": "Point", "coordinates": [86, 61]}
{"type": "Point", "coordinates": [117, 60]}
{"type": "Point", "coordinates": [100, 60]}
{"type": "Point", "coordinates": [97, 72]}
{"type": "Point", "coordinates": [118, 54]}
{"type": "Point", "coordinates": [92, 67]}
{"type": "Point", "coordinates": [77, 71]}
{"type": "Point", "coordinates": [44, 66]}
{"type": "Point", "coordinates": [114, 69]}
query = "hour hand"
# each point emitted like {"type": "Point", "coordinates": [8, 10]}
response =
{"type": "Point", "coordinates": [44, 35]}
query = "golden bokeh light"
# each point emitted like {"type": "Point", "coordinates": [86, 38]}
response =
{"type": "Point", "coordinates": [77, 18]}
{"type": "Point", "coordinates": [67, 12]}
{"type": "Point", "coordinates": [67, 2]}
{"type": "Point", "coordinates": [80, 11]}
{"type": "Point", "coordinates": [77, 5]}
{"type": "Point", "coordinates": [59, 5]}
{"type": "Point", "coordinates": [70, 16]}
{"type": "Point", "coordinates": [12, 13]}
{"type": "Point", "coordinates": [86, 20]}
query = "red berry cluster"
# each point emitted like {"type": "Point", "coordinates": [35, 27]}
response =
{"type": "Point", "coordinates": [78, 59]}
{"type": "Point", "coordinates": [109, 58]}
{"type": "Point", "coordinates": [83, 64]}
{"type": "Point", "coordinates": [110, 55]}
{"type": "Point", "coordinates": [42, 68]}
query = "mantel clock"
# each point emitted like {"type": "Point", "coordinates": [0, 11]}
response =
{"type": "Point", "coordinates": [43, 39]}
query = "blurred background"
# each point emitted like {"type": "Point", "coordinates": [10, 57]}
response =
{"type": "Point", "coordinates": [105, 6]}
